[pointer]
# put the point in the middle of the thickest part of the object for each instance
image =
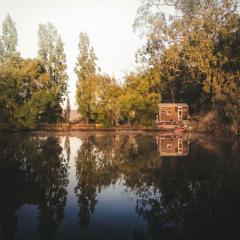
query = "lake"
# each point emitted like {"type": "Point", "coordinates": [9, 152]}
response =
{"type": "Point", "coordinates": [112, 186]}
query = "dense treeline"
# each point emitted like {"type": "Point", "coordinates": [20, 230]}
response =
{"type": "Point", "coordinates": [32, 90]}
{"type": "Point", "coordinates": [102, 100]}
{"type": "Point", "coordinates": [196, 52]}
{"type": "Point", "coordinates": [191, 55]}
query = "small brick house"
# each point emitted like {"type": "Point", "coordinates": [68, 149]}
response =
{"type": "Point", "coordinates": [174, 145]}
{"type": "Point", "coordinates": [173, 112]}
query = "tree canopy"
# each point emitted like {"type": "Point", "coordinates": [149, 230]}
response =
{"type": "Point", "coordinates": [191, 54]}
{"type": "Point", "coordinates": [31, 90]}
{"type": "Point", "coordinates": [195, 51]}
{"type": "Point", "coordinates": [51, 53]}
{"type": "Point", "coordinates": [8, 39]}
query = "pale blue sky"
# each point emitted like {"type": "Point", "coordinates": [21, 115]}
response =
{"type": "Point", "coordinates": [107, 22]}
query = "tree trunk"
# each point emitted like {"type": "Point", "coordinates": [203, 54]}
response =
{"type": "Point", "coordinates": [172, 94]}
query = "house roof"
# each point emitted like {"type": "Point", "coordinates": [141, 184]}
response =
{"type": "Point", "coordinates": [173, 105]}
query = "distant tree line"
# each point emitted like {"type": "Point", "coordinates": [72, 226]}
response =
{"type": "Point", "coordinates": [191, 55]}
{"type": "Point", "coordinates": [194, 53]}
{"type": "Point", "coordinates": [32, 90]}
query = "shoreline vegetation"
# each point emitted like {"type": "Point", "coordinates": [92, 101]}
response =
{"type": "Point", "coordinates": [191, 56]}
{"type": "Point", "coordinates": [197, 127]}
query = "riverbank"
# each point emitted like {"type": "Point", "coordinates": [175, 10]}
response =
{"type": "Point", "coordinates": [197, 127]}
{"type": "Point", "coordinates": [65, 127]}
{"type": "Point", "coordinates": [205, 122]}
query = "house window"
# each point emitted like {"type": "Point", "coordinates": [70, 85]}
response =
{"type": "Point", "coordinates": [169, 146]}
{"type": "Point", "coordinates": [180, 145]}
{"type": "Point", "coordinates": [169, 113]}
{"type": "Point", "coordinates": [180, 115]}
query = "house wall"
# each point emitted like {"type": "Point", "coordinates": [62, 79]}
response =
{"type": "Point", "coordinates": [174, 113]}
{"type": "Point", "coordinates": [165, 142]}
{"type": "Point", "coordinates": [165, 117]}
{"type": "Point", "coordinates": [165, 151]}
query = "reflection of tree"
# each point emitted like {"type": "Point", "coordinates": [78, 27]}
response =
{"type": "Point", "coordinates": [67, 147]}
{"type": "Point", "coordinates": [138, 166]}
{"type": "Point", "coordinates": [35, 174]}
{"type": "Point", "coordinates": [198, 197]}
{"type": "Point", "coordinates": [86, 189]}
{"type": "Point", "coordinates": [8, 223]}
{"type": "Point", "coordinates": [53, 181]}
{"type": "Point", "coordinates": [95, 169]}
{"type": "Point", "coordinates": [103, 159]}
{"type": "Point", "coordinates": [179, 198]}
{"type": "Point", "coordinates": [9, 200]}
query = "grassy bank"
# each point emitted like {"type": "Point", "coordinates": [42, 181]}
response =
{"type": "Point", "coordinates": [65, 127]}
{"type": "Point", "coordinates": [90, 127]}
{"type": "Point", "coordinates": [206, 122]}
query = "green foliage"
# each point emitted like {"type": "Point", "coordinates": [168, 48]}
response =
{"type": "Point", "coordinates": [192, 56]}
{"type": "Point", "coordinates": [140, 99]}
{"type": "Point", "coordinates": [51, 53]}
{"type": "Point", "coordinates": [86, 74]}
{"type": "Point", "coordinates": [8, 39]}
{"type": "Point", "coordinates": [107, 101]}
{"type": "Point", "coordinates": [194, 51]}
{"type": "Point", "coordinates": [25, 91]}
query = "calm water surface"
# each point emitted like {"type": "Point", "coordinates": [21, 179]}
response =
{"type": "Point", "coordinates": [119, 186]}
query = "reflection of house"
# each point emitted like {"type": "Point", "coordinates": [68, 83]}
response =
{"type": "Point", "coordinates": [173, 145]}
{"type": "Point", "coordinates": [172, 115]}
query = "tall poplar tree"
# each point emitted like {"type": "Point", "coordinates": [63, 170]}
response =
{"type": "Point", "coordinates": [86, 74]}
{"type": "Point", "coordinates": [67, 111]}
{"type": "Point", "coordinates": [8, 39]}
{"type": "Point", "coordinates": [51, 53]}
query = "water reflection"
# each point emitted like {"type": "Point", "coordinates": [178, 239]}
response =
{"type": "Point", "coordinates": [173, 144]}
{"type": "Point", "coordinates": [33, 171]}
{"type": "Point", "coordinates": [199, 196]}
{"type": "Point", "coordinates": [194, 193]}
